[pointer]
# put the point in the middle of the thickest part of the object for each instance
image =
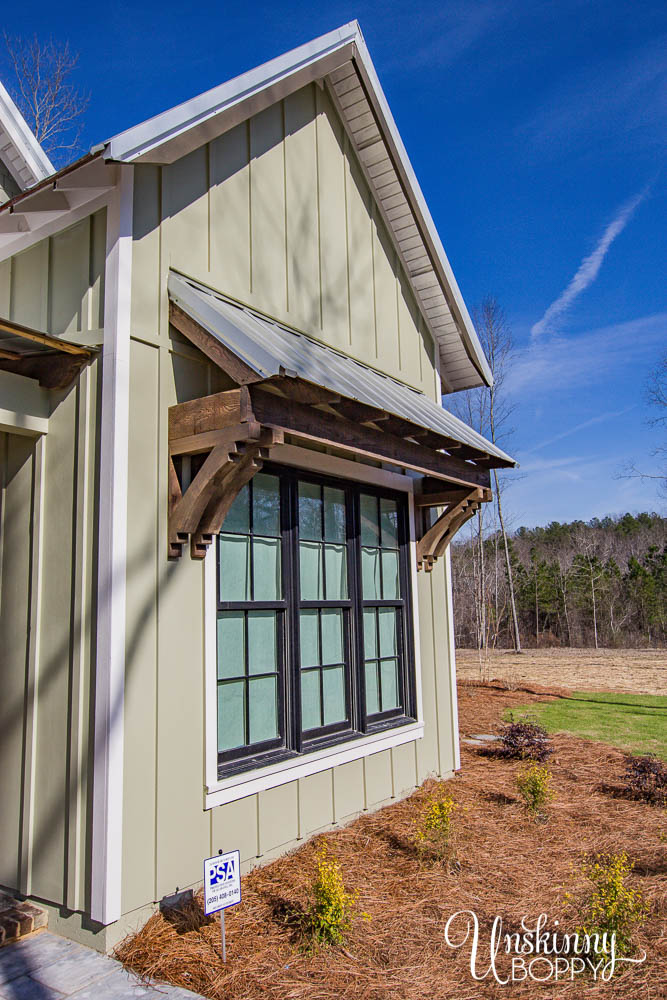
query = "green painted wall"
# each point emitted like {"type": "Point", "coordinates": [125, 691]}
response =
{"type": "Point", "coordinates": [276, 214]}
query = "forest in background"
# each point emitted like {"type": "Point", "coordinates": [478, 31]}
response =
{"type": "Point", "coordinates": [596, 583]}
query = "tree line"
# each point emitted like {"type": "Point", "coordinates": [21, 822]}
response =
{"type": "Point", "coordinates": [596, 583]}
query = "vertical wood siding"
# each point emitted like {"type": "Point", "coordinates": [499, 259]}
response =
{"type": "Point", "coordinates": [276, 214]}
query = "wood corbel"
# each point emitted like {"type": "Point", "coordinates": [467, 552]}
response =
{"type": "Point", "coordinates": [460, 508]}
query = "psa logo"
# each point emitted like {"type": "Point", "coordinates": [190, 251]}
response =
{"type": "Point", "coordinates": [223, 871]}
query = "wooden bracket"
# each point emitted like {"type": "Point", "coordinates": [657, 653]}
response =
{"type": "Point", "coordinates": [460, 507]}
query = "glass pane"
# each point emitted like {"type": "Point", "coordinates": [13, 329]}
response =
{"type": "Point", "coordinates": [265, 505]}
{"type": "Point", "coordinates": [370, 534]}
{"type": "Point", "coordinates": [231, 645]}
{"type": "Point", "coordinates": [390, 586]}
{"type": "Point", "coordinates": [370, 574]}
{"type": "Point", "coordinates": [308, 640]}
{"type": "Point", "coordinates": [336, 572]}
{"type": "Point", "coordinates": [266, 569]}
{"type": "Point", "coordinates": [370, 635]}
{"type": "Point", "coordinates": [333, 692]}
{"type": "Point", "coordinates": [238, 514]}
{"type": "Point", "coordinates": [234, 568]}
{"type": "Point", "coordinates": [310, 566]}
{"type": "Point", "coordinates": [231, 715]}
{"type": "Point", "coordinates": [310, 699]}
{"type": "Point", "coordinates": [387, 627]}
{"type": "Point", "coordinates": [310, 511]}
{"type": "Point", "coordinates": [372, 691]}
{"type": "Point", "coordinates": [389, 674]}
{"type": "Point", "coordinates": [334, 514]}
{"type": "Point", "coordinates": [389, 523]}
{"type": "Point", "coordinates": [263, 710]}
{"type": "Point", "coordinates": [262, 651]}
{"type": "Point", "coordinates": [332, 636]}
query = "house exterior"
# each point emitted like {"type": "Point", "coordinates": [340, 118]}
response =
{"type": "Point", "coordinates": [228, 487]}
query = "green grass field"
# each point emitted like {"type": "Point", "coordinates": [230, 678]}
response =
{"type": "Point", "coordinates": [634, 722]}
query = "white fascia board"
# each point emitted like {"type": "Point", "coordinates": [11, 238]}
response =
{"type": "Point", "coordinates": [419, 206]}
{"type": "Point", "coordinates": [107, 823]}
{"type": "Point", "coordinates": [146, 141]}
{"type": "Point", "coordinates": [31, 154]}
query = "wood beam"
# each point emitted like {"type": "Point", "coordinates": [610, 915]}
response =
{"type": "Point", "coordinates": [18, 330]}
{"type": "Point", "coordinates": [213, 348]}
{"type": "Point", "coordinates": [315, 425]}
{"type": "Point", "coordinates": [210, 413]}
{"type": "Point", "coordinates": [360, 412]}
{"type": "Point", "coordinates": [434, 542]}
{"type": "Point", "coordinates": [302, 391]}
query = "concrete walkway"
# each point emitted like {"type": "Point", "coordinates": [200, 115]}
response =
{"type": "Point", "coordinates": [47, 967]}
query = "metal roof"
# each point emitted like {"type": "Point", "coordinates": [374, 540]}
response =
{"type": "Point", "coordinates": [270, 349]}
{"type": "Point", "coordinates": [19, 150]}
{"type": "Point", "coordinates": [341, 60]}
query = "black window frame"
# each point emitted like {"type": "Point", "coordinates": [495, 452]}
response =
{"type": "Point", "coordinates": [292, 742]}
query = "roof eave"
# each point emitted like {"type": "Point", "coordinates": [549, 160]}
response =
{"type": "Point", "coordinates": [32, 157]}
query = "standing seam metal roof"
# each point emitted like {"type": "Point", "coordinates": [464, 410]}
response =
{"type": "Point", "coordinates": [271, 349]}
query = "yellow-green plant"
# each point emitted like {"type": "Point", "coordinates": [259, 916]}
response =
{"type": "Point", "coordinates": [534, 787]}
{"type": "Point", "coordinates": [331, 915]}
{"type": "Point", "coordinates": [612, 906]}
{"type": "Point", "coordinates": [435, 826]}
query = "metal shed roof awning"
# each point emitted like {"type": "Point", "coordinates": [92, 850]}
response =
{"type": "Point", "coordinates": [54, 362]}
{"type": "Point", "coordinates": [254, 348]}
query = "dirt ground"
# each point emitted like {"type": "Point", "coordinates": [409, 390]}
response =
{"type": "Point", "coordinates": [639, 671]}
{"type": "Point", "coordinates": [508, 865]}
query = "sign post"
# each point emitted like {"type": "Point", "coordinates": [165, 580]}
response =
{"type": "Point", "coordinates": [222, 887]}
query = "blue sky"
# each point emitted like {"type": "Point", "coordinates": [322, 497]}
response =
{"type": "Point", "coordinates": [537, 132]}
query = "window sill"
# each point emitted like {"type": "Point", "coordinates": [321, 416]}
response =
{"type": "Point", "coordinates": [239, 786]}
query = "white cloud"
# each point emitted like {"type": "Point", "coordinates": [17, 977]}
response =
{"type": "Point", "coordinates": [590, 265]}
{"type": "Point", "coordinates": [601, 418]}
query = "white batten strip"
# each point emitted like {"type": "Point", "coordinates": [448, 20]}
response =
{"type": "Point", "coordinates": [110, 661]}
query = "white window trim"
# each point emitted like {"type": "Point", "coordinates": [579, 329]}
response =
{"type": "Point", "coordinates": [238, 786]}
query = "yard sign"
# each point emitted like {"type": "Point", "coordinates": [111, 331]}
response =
{"type": "Point", "coordinates": [222, 887]}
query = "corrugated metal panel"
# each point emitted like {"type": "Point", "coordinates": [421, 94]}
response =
{"type": "Point", "coordinates": [271, 349]}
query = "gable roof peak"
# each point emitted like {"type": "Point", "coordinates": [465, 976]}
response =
{"type": "Point", "coordinates": [20, 151]}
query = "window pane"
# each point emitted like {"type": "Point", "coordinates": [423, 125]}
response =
{"type": "Point", "coordinates": [234, 568]}
{"type": "Point", "coordinates": [231, 715]}
{"type": "Point", "coordinates": [238, 514]}
{"type": "Point", "coordinates": [263, 709]}
{"type": "Point", "coordinates": [387, 625]}
{"type": "Point", "coordinates": [370, 534]}
{"type": "Point", "coordinates": [310, 565]}
{"type": "Point", "coordinates": [310, 699]}
{"type": "Point", "coordinates": [334, 515]}
{"type": "Point", "coordinates": [389, 674]}
{"type": "Point", "coordinates": [336, 572]}
{"type": "Point", "coordinates": [266, 569]}
{"type": "Point", "coordinates": [310, 511]}
{"type": "Point", "coordinates": [390, 587]}
{"type": "Point", "coordinates": [389, 523]}
{"type": "Point", "coordinates": [308, 640]}
{"type": "Point", "coordinates": [333, 691]}
{"type": "Point", "coordinates": [332, 636]}
{"type": "Point", "coordinates": [262, 651]}
{"type": "Point", "coordinates": [370, 635]}
{"type": "Point", "coordinates": [370, 574]}
{"type": "Point", "coordinates": [231, 645]}
{"type": "Point", "coordinates": [265, 505]}
{"type": "Point", "coordinates": [372, 691]}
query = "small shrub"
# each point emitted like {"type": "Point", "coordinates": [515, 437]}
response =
{"type": "Point", "coordinates": [533, 784]}
{"type": "Point", "coordinates": [612, 907]}
{"type": "Point", "coordinates": [330, 917]}
{"type": "Point", "coordinates": [435, 827]}
{"type": "Point", "coordinates": [646, 779]}
{"type": "Point", "coordinates": [524, 740]}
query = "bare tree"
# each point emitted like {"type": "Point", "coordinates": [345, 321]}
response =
{"type": "Point", "coordinates": [656, 397]}
{"type": "Point", "coordinates": [51, 105]}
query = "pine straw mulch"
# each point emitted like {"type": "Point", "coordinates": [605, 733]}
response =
{"type": "Point", "coordinates": [509, 865]}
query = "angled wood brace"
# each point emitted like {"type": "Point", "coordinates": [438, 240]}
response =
{"type": "Point", "coordinates": [434, 542]}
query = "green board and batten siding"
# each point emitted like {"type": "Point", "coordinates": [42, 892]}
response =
{"type": "Point", "coordinates": [47, 567]}
{"type": "Point", "coordinates": [276, 214]}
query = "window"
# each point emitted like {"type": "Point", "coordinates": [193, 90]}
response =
{"type": "Point", "coordinates": [314, 640]}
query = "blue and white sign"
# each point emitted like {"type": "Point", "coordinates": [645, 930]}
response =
{"type": "Point", "coordinates": [222, 881]}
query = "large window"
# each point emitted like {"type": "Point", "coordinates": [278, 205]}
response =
{"type": "Point", "coordinates": [314, 642]}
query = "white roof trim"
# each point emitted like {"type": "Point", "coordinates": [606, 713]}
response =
{"type": "Point", "coordinates": [19, 150]}
{"type": "Point", "coordinates": [174, 133]}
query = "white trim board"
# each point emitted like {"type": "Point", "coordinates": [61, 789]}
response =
{"type": "Point", "coordinates": [107, 825]}
{"type": "Point", "coordinates": [216, 792]}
